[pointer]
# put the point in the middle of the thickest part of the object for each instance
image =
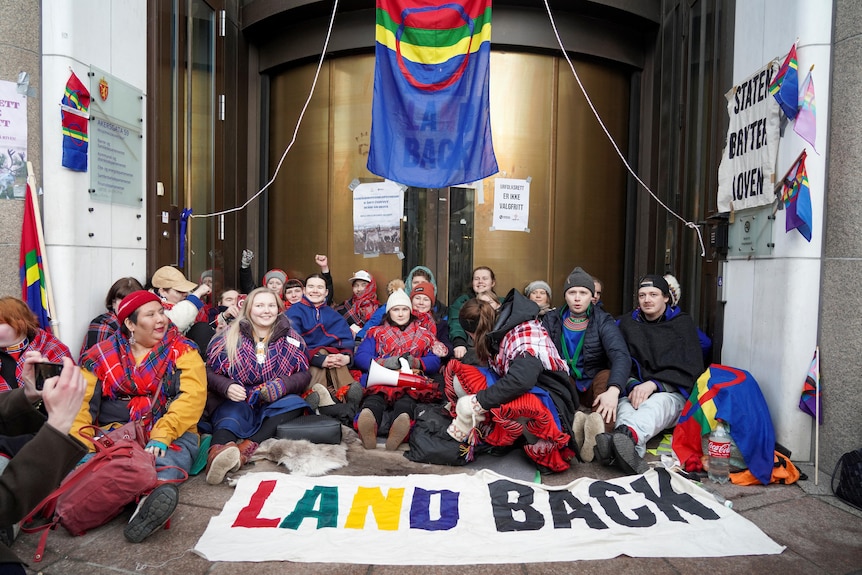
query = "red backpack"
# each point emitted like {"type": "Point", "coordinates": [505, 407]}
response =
{"type": "Point", "coordinates": [120, 472]}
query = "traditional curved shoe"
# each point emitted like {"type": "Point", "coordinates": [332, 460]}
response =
{"type": "Point", "coordinates": [578, 429]}
{"type": "Point", "coordinates": [222, 459]}
{"type": "Point", "coordinates": [398, 432]}
{"type": "Point", "coordinates": [366, 426]}
{"type": "Point", "coordinates": [593, 426]}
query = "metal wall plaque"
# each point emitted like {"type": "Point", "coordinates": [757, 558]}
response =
{"type": "Point", "coordinates": [750, 235]}
{"type": "Point", "coordinates": [116, 140]}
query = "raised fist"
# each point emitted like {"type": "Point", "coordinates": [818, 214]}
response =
{"type": "Point", "coordinates": [247, 256]}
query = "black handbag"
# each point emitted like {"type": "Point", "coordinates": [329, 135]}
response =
{"type": "Point", "coordinates": [848, 476]}
{"type": "Point", "coordinates": [314, 428]}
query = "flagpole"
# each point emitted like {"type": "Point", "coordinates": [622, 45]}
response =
{"type": "Point", "coordinates": [817, 420]}
{"type": "Point", "coordinates": [52, 310]}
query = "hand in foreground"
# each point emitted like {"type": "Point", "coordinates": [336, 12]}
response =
{"type": "Point", "coordinates": [459, 351]}
{"type": "Point", "coordinates": [63, 396]}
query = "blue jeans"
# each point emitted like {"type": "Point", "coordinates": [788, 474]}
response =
{"type": "Point", "coordinates": [183, 457]}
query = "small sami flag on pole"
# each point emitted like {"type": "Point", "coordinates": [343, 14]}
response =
{"type": "Point", "coordinates": [34, 288]}
{"type": "Point", "coordinates": [785, 85]}
{"type": "Point", "coordinates": [810, 400]}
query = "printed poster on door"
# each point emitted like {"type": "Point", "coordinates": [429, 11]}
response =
{"type": "Point", "coordinates": [511, 205]}
{"type": "Point", "coordinates": [13, 141]}
{"type": "Point", "coordinates": [377, 211]}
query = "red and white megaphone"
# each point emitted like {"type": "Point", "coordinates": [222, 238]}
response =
{"type": "Point", "coordinates": [379, 375]}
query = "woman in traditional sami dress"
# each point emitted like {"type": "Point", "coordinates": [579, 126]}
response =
{"type": "Point", "coordinates": [258, 368]}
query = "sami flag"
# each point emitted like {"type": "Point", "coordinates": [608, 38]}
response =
{"type": "Point", "coordinates": [733, 396]}
{"type": "Point", "coordinates": [797, 200]}
{"type": "Point", "coordinates": [430, 122]}
{"type": "Point", "coordinates": [811, 390]}
{"type": "Point", "coordinates": [74, 116]}
{"type": "Point", "coordinates": [33, 287]}
{"type": "Point", "coordinates": [785, 85]}
{"type": "Point", "coordinates": [806, 120]}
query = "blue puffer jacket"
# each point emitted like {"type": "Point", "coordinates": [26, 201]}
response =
{"type": "Point", "coordinates": [604, 347]}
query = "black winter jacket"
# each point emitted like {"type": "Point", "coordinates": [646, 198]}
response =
{"type": "Point", "coordinates": [604, 347]}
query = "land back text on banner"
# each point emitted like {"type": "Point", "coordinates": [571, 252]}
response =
{"type": "Point", "coordinates": [473, 519]}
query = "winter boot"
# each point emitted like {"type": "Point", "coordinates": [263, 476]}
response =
{"type": "Point", "coordinates": [221, 460]}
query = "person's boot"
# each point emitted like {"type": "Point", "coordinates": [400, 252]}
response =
{"type": "Point", "coordinates": [366, 426]}
{"type": "Point", "coordinates": [604, 450]}
{"type": "Point", "coordinates": [398, 432]}
{"type": "Point", "coordinates": [625, 452]}
{"type": "Point", "coordinates": [221, 460]}
{"type": "Point", "coordinates": [246, 447]}
{"type": "Point", "coordinates": [593, 426]}
{"type": "Point", "coordinates": [152, 513]}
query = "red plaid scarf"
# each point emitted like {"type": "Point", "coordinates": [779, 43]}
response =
{"type": "Point", "coordinates": [392, 341]}
{"type": "Point", "coordinates": [361, 307]}
{"type": "Point", "coordinates": [113, 364]}
{"type": "Point", "coordinates": [528, 338]}
{"type": "Point", "coordinates": [51, 348]}
{"type": "Point", "coordinates": [426, 320]}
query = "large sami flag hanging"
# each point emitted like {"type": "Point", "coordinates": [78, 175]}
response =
{"type": "Point", "coordinates": [74, 114]}
{"type": "Point", "coordinates": [431, 124]}
{"type": "Point", "coordinates": [733, 396]}
{"type": "Point", "coordinates": [33, 286]}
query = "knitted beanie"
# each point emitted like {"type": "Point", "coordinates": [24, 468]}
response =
{"type": "Point", "coordinates": [398, 298]}
{"type": "Point", "coordinates": [579, 278]}
{"type": "Point", "coordinates": [274, 273]}
{"type": "Point", "coordinates": [424, 288]}
{"type": "Point", "coordinates": [132, 302]}
{"type": "Point", "coordinates": [538, 284]}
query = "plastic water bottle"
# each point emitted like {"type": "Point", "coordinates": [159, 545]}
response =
{"type": "Point", "coordinates": [719, 453]}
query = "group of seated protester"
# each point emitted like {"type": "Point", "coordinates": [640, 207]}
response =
{"type": "Point", "coordinates": [562, 383]}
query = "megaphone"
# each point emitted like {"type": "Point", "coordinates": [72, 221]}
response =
{"type": "Point", "coordinates": [379, 375]}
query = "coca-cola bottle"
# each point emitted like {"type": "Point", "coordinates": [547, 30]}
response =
{"type": "Point", "coordinates": [719, 453]}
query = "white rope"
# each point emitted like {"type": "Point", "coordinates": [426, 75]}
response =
{"type": "Point", "coordinates": [689, 224]}
{"type": "Point", "coordinates": [295, 131]}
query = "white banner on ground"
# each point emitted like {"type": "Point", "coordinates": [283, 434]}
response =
{"type": "Point", "coordinates": [472, 519]}
{"type": "Point", "coordinates": [746, 175]}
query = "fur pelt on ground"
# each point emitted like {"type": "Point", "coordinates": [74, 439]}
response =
{"type": "Point", "coordinates": [301, 457]}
